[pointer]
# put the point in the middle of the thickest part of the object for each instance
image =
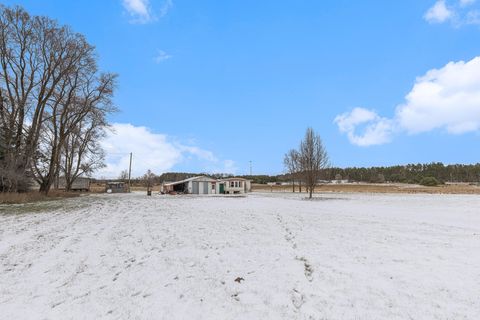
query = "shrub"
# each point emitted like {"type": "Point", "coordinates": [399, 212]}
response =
{"type": "Point", "coordinates": [429, 182]}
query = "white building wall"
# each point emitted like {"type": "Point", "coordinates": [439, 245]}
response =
{"type": "Point", "coordinates": [202, 184]}
{"type": "Point", "coordinates": [190, 186]}
{"type": "Point", "coordinates": [248, 185]}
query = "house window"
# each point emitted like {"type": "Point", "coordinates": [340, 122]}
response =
{"type": "Point", "coordinates": [240, 184]}
{"type": "Point", "coordinates": [232, 184]}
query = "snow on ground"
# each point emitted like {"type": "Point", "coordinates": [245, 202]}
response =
{"type": "Point", "coordinates": [266, 256]}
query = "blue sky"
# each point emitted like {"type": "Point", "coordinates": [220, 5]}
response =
{"type": "Point", "coordinates": [210, 85]}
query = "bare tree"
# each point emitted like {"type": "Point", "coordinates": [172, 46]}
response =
{"type": "Point", "coordinates": [148, 180]}
{"type": "Point", "coordinates": [82, 154]}
{"type": "Point", "coordinates": [49, 83]}
{"type": "Point", "coordinates": [123, 176]}
{"type": "Point", "coordinates": [35, 56]}
{"type": "Point", "coordinates": [313, 158]}
{"type": "Point", "coordinates": [19, 76]}
{"type": "Point", "coordinates": [77, 122]}
{"type": "Point", "coordinates": [291, 163]}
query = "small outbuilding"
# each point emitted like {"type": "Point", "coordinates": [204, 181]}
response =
{"type": "Point", "coordinates": [79, 184]}
{"type": "Point", "coordinates": [116, 187]}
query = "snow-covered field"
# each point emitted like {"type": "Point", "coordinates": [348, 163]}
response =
{"type": "Point", "coordinates": [354, 256]}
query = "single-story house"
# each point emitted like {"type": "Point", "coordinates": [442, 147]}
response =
{"type": "Point", "coordinates": [206, 185]}
{"type": "Point", "coordinates": [234, 186]}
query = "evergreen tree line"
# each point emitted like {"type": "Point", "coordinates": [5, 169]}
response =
{"type": "Point", "coordinates": [410, 173]}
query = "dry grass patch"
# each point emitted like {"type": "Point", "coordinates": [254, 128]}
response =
{"type": "Point", "coordinates": [28, 197]}
{"type": "Point", "coordinates": [378, 188]}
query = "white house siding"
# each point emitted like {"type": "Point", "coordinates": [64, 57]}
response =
{"type": "Point", "coordinates": [239, 186]}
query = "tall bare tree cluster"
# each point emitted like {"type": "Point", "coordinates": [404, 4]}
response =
{"type": "Point", "coordinates": [54, 102]}
{"type": "Point", "coordinates": [306, 164]}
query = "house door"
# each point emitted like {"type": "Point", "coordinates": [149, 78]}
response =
{"type": "Point", "coordinates": [195, 187]}
{"type": "Point", "coordinates": [222, 188]}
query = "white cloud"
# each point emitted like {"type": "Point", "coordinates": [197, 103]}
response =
{"type": "Point", "coordinates": [447, 99]}
{"type": "Point", "coordinates": [457, 12]}
{"type": "Point", "coordinates": [438, 13]}
{"type": "Point", "coordinates": [153, 151]}
{"type": "Point", "coordinates": [161, 56]}
{"type": "Point", "coordinates": [377, 130]}
{"type": "Point", "coordinates": [141, 11]}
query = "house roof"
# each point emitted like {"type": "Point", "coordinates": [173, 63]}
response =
{"type": "Point", "coordinates": [202, 178]}
{"type": "Point", "coordinates": [233, 179]}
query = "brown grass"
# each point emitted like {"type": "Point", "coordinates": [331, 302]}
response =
{"type": "Point", "coordinates": [100, 188]}
{"type": "Point", "coordinates": [378, 188]}
{"type": "Point", "coordinates": [27, 197]}
{"type": "Point", "coordinates": [97, 188]}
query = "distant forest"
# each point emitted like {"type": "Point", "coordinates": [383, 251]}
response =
{"type": "Point", "coordinates": [410, 173]}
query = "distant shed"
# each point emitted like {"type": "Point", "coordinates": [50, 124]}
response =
{"type": "Point", "coordinates": [116, 187]}
{"type": "Point", "coordinates": [79, 184]}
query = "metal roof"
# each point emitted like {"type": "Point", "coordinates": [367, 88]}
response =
{"type": "Point", "coordinates": [231, 179]}
{"type": "Point", "coordinates": [189, 179]}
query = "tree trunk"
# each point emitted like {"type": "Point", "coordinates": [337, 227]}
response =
{"type": "Point", "coordinates": [45, 187]}
{"type": "Point", "coordinates": [68, 185]}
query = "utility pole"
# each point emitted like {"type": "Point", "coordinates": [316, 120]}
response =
{"type": "Point", "coordinates": [250, 167]}
{"type": "Point", "coordinates": [130, 171]}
